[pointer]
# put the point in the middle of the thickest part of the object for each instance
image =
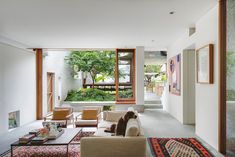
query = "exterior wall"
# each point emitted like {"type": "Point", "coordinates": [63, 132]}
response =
{"type": "Point", "coordinates": [53, 61]}
{"type": "Point", "coordinates": [17, 85]}
{"type": "Point", "coordinates": [206, 95]}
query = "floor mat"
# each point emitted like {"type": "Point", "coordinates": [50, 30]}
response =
{"type": "Point", "coordinates": [50, 151]}
{"type": "Point", "coordinates": [177, 147]}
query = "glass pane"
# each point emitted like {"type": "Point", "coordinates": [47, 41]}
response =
{"type": "Point", "coordinates": [125, 69]}
{"type": "Point", "coordinates": [230, 78]}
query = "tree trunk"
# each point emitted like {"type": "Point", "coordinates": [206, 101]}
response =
{"type": "Point", "coordinates": [93, 79]}
{"type": "Point", "coordinates": [93, 83]}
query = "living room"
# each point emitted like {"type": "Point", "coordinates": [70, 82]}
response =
{"type": "Point", "coordinates": [193, 99]}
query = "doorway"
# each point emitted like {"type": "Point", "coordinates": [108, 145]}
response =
{"type": "Point", "coordinates": [154, 78]}
{"type": "Point", "coordinates": [50, 91]}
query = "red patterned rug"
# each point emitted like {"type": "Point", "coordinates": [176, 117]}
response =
{"type": "Point", "coordinates": [177, 147]}
{"type": "Point", "coordinates": [50, 151]}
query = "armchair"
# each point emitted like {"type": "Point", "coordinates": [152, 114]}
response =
{"type": "Point", "coordinates": [89, 117]}
{"type": "Point", "coordinates": [62, 115]}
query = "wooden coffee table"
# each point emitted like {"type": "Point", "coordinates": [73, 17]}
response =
{"type": "Point", "coordinates": [64, 140]}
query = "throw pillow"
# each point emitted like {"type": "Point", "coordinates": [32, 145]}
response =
{"type": "Point", "coordinates": [132, 128]}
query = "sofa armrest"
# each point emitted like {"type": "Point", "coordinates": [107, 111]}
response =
{"type": "Point", "coordinates": [99, 117]}
{"type": "Point", "coordinates": [70, 116]}
{"type": "Point", "coordinates": [79, 115]}
{"type": "Point", "coordinates": [113, 146]}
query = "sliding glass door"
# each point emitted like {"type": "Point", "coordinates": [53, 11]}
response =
{"type": "Point", "coordinates": [230, 113]}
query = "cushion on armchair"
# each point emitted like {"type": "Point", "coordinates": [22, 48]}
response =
{"type": "Point", "coordinates": [89, 114]}
{"type": "Point", "coordinates": [60, 114]}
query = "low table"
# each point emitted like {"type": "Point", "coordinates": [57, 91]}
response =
{"type": "Point", "coordinates": [65, 139]}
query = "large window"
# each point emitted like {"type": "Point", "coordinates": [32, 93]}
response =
{"type": "Point", "coordinates": [125, 76]}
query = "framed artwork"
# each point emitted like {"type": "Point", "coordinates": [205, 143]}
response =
{"type": "Point", "coordinates": [175, 75]}
{"type": "Point", "coordinates": [205, 64]}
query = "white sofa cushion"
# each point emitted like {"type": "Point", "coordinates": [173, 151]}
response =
{"type": "Point", "coordinates": [114, 116]}
{"type": "Point", "coordinates": [105, 124]}
{"type": "Point", "coordinates": [101, 133]}
{"type": "Point", "coordinates": [132, 128]}
{"type": "Point", "coordinates": [86, 122]}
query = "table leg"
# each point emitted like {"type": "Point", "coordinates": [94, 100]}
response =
{"type": "Point", "coordinates": [11, 151]}
{"type": "Point", "coordinates": [67, 150]}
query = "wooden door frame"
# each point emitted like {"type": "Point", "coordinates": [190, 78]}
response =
{"type": "Point", "coordinates": [222, 75]}
{"type": "Point", "coordinates": [39, 85]}
{"type": "Point", "coordinates": [133, 69]}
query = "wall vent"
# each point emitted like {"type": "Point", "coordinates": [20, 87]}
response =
{"type": "Point", "coordinates": [192, 30]}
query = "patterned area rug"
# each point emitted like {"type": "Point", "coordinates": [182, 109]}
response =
{"type": "Point", "coordinates": [177, 147]}
{"type": "Point", "coordinates": [50, 151]}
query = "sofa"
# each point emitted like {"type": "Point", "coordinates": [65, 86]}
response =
{"type": "Point", "coordinates": [106, 145]}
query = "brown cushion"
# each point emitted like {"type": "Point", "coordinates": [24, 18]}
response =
{"type": "Point", "coordinates": [60, 114]}
{"type": "Point", "coordinates": [89, 114]}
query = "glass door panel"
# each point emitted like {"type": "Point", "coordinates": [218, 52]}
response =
{"type": "Point", "coordinates": [230, 113]}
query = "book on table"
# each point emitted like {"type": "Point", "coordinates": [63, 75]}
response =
{"type": "Point", "coordinates": [35, 132]}
{"type": "Point", "coordinates": [26, 138]}
{"type": "Point", "coordinates": [39, 140]}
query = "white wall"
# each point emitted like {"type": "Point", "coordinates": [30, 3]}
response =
{"type": "Point", "coordinates": [206, 95]}
{"type": "Point", "coordinates": [18, 85]}
{"type": "Point", "coordinates": [54, 62]}
{"type": "Point", "coordinates": [139, 75]}
{"type": "Point", "coordinates": [2, 106]}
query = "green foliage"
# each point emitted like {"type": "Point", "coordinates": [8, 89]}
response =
{"type": "Point", "coordinates": [93, 62]}
{"type": "Point", "coordinates": [125, 93]}
{"type": "Point", "coordinates": [100, 78]}
{"type": "Point", "coordinates": [230, 95]}
{"type": "Point", "coordinates": [163, 77]}
{"type": "Point", "coordinates": [152, 68]}
{"type": "Point", "coordinates": [108, 108]}
{"type": "Point", "coordinates": [230, 62]}
{"type": "Point", "coordinates": [89, 94]}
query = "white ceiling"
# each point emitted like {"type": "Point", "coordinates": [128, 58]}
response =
{"type": "Point", "coordinates": [99, 23]}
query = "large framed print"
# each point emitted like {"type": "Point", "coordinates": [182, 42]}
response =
{"type": "Point", "coordinates": [205, 64]}
{"type": "Point", "coordinates": [175, 75]}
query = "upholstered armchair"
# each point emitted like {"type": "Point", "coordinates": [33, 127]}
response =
{"type": "Point", "coordinates": [89, 117]}
{"type": "Point", "coordinates": [61, 115]}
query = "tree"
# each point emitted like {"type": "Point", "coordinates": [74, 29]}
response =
{"type": "Point", "coordinates": [93, 62]}
{"type": "Point", "coordinates": [152, 68]}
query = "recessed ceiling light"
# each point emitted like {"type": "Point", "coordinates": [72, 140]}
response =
{"type": "Point", "coordinates": [172, 12]}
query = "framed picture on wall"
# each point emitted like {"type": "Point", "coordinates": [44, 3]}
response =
{"type": "Point", "coordinates": [205, 64]}
{"type": "Point", "coordinates": [175, 75]}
